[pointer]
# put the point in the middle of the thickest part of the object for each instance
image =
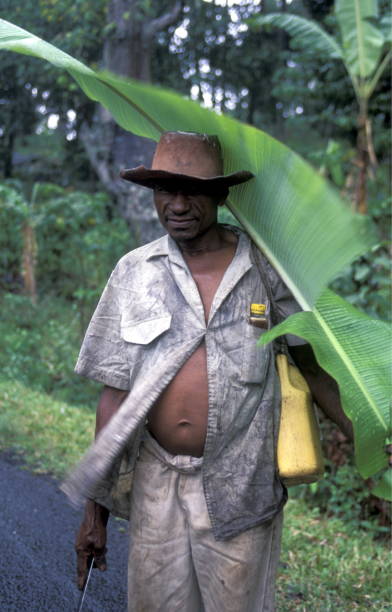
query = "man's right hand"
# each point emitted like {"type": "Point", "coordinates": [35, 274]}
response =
{"type": "Point", "coordinates": [91, 541]}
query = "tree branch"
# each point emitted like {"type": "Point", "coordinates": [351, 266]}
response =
{"type": "Point", "coordinates": [97, 155]}
{"type": "Point", "coordinates": [160, 23]}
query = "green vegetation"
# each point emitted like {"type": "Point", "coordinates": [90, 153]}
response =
{"type": "Point", "coordinates": [76, 245]}
{"type": "Point", "coordinates": [39, 347]}
{"type": "Point", "coordinates": [58, 244]}
{"type": "Point", "coordinates": [341, 494]}
{"type": "Point", "coordinates": [72, 251]}
{"type": "Point", "coordinates": [332, 557]}
{"type": "Point", "coordinates": [327, 566]}
{"type": "Point", "coordinates": [280, 211]}
{"type": "Point", "coordinates": [274, 208]}
{"type": "Point", "coordinates": [367, 405]}
{"type": "Point", "coordinates": [49, 435]}
{"type": "Point", "coordinates": [365, 51]}
{"type": "Point", "coordinates": [327, 563]}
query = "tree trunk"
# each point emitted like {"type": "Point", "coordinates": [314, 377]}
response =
{"type": "Point", "coordinates": [127, 51]}
{"type": "Point", "coordinates": [29, 260]}
{"type": "Point", "coordinates": [362, 164]}
{"type": "Point", "coordinates": [366, 159]}
{"type": "Point", "coordinates": [109, 149]}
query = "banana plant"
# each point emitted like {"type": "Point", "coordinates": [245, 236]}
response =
{"type": "Point", "coordinates": [355, 350]}
{"type": "Point", "coordinates": [288, 209]}
{"type": "Point", "coordinates": [365, 50]}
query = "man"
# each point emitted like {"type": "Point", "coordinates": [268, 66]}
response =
{"type": "Point", "coordinates": [193, 400]}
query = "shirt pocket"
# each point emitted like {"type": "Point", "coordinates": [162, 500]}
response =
{"type": "Point", "coordinates": [145, 331]}
{"type": "Point", "coordinates": [255, 359]}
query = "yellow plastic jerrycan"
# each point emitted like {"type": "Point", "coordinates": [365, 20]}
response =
{"type": "Point", "coordinates": [300, 459]}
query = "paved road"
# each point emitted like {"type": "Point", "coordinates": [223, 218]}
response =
{"type": "Point", "coordinates": [37, 527]}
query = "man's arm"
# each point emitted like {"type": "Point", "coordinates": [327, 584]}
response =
{"type": "Point", "coordinates": [323, 387]}
{"type": "Point", "coordinates": [109, 402]}
{"type": "Point", "coordinates": [91, 537]}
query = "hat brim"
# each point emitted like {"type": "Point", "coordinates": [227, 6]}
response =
{"type": "Point", "coordinates": [161, 178]}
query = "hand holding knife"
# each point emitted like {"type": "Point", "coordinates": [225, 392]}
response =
{"type": "Point", "coordinates": [83, 593]}
{"type": "Point", "coordinates": [90, 545]}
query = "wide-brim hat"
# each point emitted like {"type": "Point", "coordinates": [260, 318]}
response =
{"type": "Point", "coordinates": [189, 160]}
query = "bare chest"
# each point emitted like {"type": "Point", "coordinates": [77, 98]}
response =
{"type": "Point", "coordinates": [208, 275]}
{"type": "Point", "coordinates": [207, 286]}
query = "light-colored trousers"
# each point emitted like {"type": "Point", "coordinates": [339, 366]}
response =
{"type": "Point", "coordinates": [175, 563]}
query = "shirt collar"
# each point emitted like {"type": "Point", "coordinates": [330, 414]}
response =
{"type": "Point", "coordinates": [167, 247]}
{"type": "Point", "coordinates": [158, 248]}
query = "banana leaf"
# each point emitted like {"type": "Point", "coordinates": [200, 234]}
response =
{"type": "Point", "coordinates": [305, 33]}
{"type": "Point", "coordinates": [362, 41]}
{"type": "Point", "coordinates": [288, 209]}
{"type": "Point", "coordinates": [355, 350]}
{"type": "Point", "coordinates": [383, 487]}
{"type": "Point", "coordinates": [386, 29]}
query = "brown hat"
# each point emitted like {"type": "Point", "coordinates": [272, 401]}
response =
{"type": "Point", "coordinates": [188, 159]}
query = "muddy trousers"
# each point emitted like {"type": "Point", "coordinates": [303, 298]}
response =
{"type": "Point", "coordinates": [175, 563]}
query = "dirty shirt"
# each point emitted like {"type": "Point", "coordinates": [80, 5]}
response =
{"type": "Point", "coordinates": [148, 322]}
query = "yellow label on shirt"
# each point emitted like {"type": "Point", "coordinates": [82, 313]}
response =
{"type": "Point", "coordinates": [257, 309]}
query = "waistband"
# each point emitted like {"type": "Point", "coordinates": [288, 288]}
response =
{"type": "Point", "coordinates": [180, 463]}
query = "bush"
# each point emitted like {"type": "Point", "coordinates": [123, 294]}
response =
{"type": "Point", "coordinates": [13, 212]}
{"type": "Point", "coordinates": [39, 347]}
{"type": "Point", "coordinates": [367, 282]}
{"type": "Point", "coordinates": [78, 241]}
{"type": "Point", "coordinates": [344, 494]}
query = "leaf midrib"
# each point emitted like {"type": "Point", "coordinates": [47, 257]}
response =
{"type": "Point", "coordinates": [360, 38]}
{"type": "Point", "coordinates": [156, 125]}
{"type": "Point", "coordinates": [263, 246]}
{"type": "Point", "coordinates": [350, 367]}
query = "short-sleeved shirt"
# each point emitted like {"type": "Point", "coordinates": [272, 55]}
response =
{"type": "Point", "coordinates": [148, 322]}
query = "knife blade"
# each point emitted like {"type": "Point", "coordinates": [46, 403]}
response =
{"type": "Point", "coordinates": [83, 593]}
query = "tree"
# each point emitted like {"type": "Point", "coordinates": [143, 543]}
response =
{"type": "Point", "coordinates": [111, 35]}
{"type": "Point", "coordinates": [131, 30]}
{"type": "Point", "coordinates": [118, 35]}
{"type": "Point", "coordinates": [365, 53]}
{"type": "Point", "coordinates": [32, 94]}
{"type": "Point", "coordinates": [220, 61]}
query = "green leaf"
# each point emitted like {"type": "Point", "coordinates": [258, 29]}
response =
{"type": "Point", "coordinates": [305, 33]}
{"type": "Point", "coordinates": [362, 41]}
{"type": "Point", "coordinates": [289, 210]}
{"type": "Point", "coordinates": [355, 350]}
{"type": "Point", "coordinates": [371, 84]}
{"type": "Point", "coordinates": [386, 28]}
{"type": "Point", "coordinates": [384, 487]}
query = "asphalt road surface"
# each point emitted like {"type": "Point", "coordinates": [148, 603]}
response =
{"type": "Point", "coordinates": [37, 559]}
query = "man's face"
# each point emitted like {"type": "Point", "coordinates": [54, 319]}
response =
{"type": "Point", "coordinates": [184, 213]}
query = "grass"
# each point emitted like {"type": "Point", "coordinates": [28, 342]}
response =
{"type": "Point", "coordinates": [50, 435]}
{"type": "Point", "coordinates": [327, 565]}
{"type": "Point", "coordinates": [40, 345]}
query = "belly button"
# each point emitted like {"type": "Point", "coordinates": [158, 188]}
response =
{"type": "Point", "coordinates": [183, 422]}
